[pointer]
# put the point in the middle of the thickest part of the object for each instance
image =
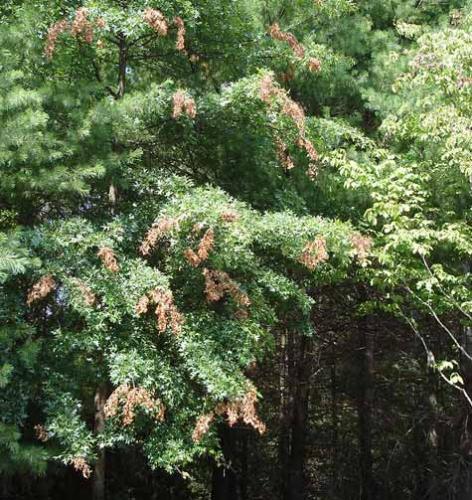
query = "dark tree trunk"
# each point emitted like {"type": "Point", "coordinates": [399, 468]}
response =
{"type": "Point", "coordinates": [99, 491]}
{"type": "Point", "coordinates": [302, 371]}
{"type": "Point", "coordinates": [432, 438]}
{"type": "Point", "coordinates": [122, 64]}
{"type": "Point", "coordinates": [466, 440]}
{"type": "Point", "coordinates": [364, 409]}
{"type": "Point", "coordinates": [295, 370]}
{"type": "Point", "coordinates": [334, 423]}
{"type": "Point", "coordinates": [244, 466]}
{"type": "Point", "coordinates": [284, 414]}
{"type": "Point", "coordinates": [224, 480]}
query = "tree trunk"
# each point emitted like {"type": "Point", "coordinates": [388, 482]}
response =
{"type": "Point", "coordinates": [99, 491]}
{"type": "Point", "coordinates": [334, 423]}
{"type": "Point", "coordinates": [244, 466]}
{"type": "Point", "coordinates": [284, 414]}
{"type": "Point", "coordinates": [224, 480]}
{"type": "Point", "coordinates": [466, 439]}
{"type": "Point", "coordinates": [299, 420]}
{"type": "Point", "coordinates": [295, 370]}
{"type": "Point", "coordinates": [364, 409]}
{"type": "Point", "coordinates": [432, 438]}
{"type": "Point", "coordinates": [122, 64]}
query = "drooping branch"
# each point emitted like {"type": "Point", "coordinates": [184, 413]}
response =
{"type": "Point", "coordinates": [440, 323]}
{"type": "Point", "coordinates": [430, 360]}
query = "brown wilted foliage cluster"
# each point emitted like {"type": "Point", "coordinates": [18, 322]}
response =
{"type": "Point", "coordinates": [229, 216]}
{"type": "Point", "coordinates": [143, 305]}
{"type": "Point", "coordinates": [362, 245]}
{"type": "Point", "coordinates": [81, 27]}
{"type": "Point", "coordinates": [305, 144]}
{"type": "Point", "coordinates": [125, 399]}
{"type": "Point", "coordinates": [206, 244]}
{"type": "Point", "coordinates": [314, 64]}
{"type": "Point", "coordinates": [100, 23]}
{"type": "Point", "coordinates": [53, 33]}
{"type": "Point", "coordinates": [283, 155]}
{"type": "Point", "coordinates": [156, 20]}
{"type": "Point", "coordinates": [87, 294]}
{"type": "Point", "coordinates": [41, 289]}
{"type": "Point", "coordinates": [107, 256]}
{"type": "Point", "coordinates": [158, 230]}
{"type": "Point", "coordinates": [267, 89]}
{"type": "Point", "coordinates": [180, 42]}
{"type": "Point", "coordinates": [314, 253]}
{"type": "Point", "coordinates": [202, 426]}
{"type": "Point", "coordinates": [183, 104]}
{"type": "Point", "coordinates": [277, 34]}
{"type": "Point", "coordinates": [269, 92]}
{"type": "Point", "coordinates": [191, 257]}
{"type": "Point", "coordinates": [240, 409]}
{"type": "Point", "coordinates": [166, 312]}
{"type": "Point", "coordinates": [204, 248]}
{"type": "Point", "coordinates": [81, 465]}
{"type": "Point", "coordinates": [244, 409]}
{"type": "Point", "coordinates": [218, 283]}
{"type": "Point", "coordinates": [283, 36]}
{"type": "Point", "coordinates": [41, 433]}
{"type": "Point", "coordinates": [294, 111]}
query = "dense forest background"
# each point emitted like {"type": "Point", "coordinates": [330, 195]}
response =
{"type": "Point", "coordinates": [235, 249]}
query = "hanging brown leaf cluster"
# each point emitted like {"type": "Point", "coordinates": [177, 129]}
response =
{"type": "Point", "coordinates": [124, 401]}
{"type": "Point", "coordinates": [362, 245]}
{"type": "Point", "coordinates": [271, 94]}
{"type": "Point", "coordinates": [81, 28]}
{"type": "Point", "coordinates": [41, 289]}
{"type": "Point", "coordinates": [314, 253]}
{"type": "Point", "coordinates": [182, 103]}
{"type": "Point", "coordinates": [298, 49]}
{"type": "Point", "coordinates": [202, 426]}
{"type": "Point", "coordinates": [240, 409]}
{"type": "Point", "coordinates": [314, 64]}
{"type": "Point", "coordinates": [282, 154]}
{"type": "Point", "coordinates": [41, 433]}
{"type": "Point", "coordinates": [229, 216]}
{"type": "Point", "coordinates": [54, 31]}
{"type": "Point", "coordinates": [180, 42]}
{"type": "Point", "coordinates": [158, 230]}
{"type": "Point", "coordinates": [204, 248]}
{"type": "Point", "coordinates": [81, 465]}
{"type": "Point", "coordinates": [108, 258]}
{"type": "Point", "coordinates": [166, 312]}
{"type": "Point", "coordinates": [158, 22]}
{"type": "Point", "coordinates": [218, 284]}
{"type": "Point", "coordinates": [277, 34]}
